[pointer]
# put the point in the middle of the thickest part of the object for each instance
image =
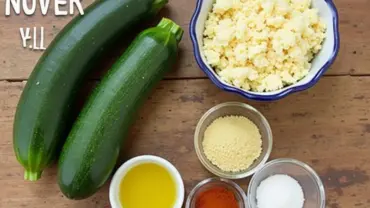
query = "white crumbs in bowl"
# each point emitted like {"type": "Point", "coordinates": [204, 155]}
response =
{"type": "Point", "coordinates": [262, 45]}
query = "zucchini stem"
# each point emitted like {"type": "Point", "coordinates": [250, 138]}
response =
{"type": "Point", "coordinates": [158, 5]}
{"type": "Point", "coordinates": [31, 176]}
{"type": "Point", "coordinates": [171, 26]}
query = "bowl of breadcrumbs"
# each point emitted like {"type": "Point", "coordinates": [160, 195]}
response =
{"type": "Point", "coordinates": [233, 140]}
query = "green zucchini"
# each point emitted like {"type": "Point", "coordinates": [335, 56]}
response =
{"type": "Point", "coordinates": [44, 108]}
{"type": "Point", "coordinates": [92, 147]}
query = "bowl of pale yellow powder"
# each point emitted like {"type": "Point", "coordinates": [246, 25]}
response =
{"type": "Point", "coordinates": [233, 140]}
{"type": "Point", "coordinates": [265, 49]}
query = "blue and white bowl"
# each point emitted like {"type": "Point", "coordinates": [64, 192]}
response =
{"type": "Point", "coordinates": [322, 61]}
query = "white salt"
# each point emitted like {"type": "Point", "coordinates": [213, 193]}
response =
{"type": "Point", "coordinates": [280, 191]}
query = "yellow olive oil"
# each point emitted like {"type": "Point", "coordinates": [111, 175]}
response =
{"type": "Point", "coordinates": [147, 185]}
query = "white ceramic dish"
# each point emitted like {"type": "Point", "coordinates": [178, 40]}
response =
{"type": "Point", "coordinates": [121, 172]}
{"type": "Point", "coordinates": [320, 64]}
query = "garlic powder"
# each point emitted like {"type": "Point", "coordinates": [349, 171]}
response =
{"type": "Point", "coordinates": [232, 143]}
{"type": "Point", "coordinates": [262, 45]}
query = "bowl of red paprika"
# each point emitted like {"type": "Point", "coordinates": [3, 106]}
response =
{"type": "Point", "coordinates": [216, 193]}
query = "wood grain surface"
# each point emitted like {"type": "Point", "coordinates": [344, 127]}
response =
{"type": "Point", "coordinates": [16, 63]}
{"type": "Point", "coordinates": [327, 126]}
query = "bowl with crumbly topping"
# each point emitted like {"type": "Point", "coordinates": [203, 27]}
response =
{"type": "Point", "coordinates": [265, 49]}
{"type": "Point", "coordinates": [231, 153]}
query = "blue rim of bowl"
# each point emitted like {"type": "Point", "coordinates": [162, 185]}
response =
{"type": "Point", "coordinates": [251, 95]}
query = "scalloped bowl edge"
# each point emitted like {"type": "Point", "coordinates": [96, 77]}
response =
{"type": "Point", "coordinates": [276, 95]}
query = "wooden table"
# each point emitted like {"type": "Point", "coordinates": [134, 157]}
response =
{"type": "Point", "coordinates": [327, 126]}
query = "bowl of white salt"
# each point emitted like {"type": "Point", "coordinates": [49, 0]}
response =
{"type": "Point", "coordinates": [285, 182]}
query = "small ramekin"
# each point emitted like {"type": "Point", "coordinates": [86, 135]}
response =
{"type": "Point", "coordinates": [312, 186]}
{"type": "Point", "coordinates": [321, 63]}
{"type": "Point", "coordinates": [238, 109]}
{"type": "Point", "coordinates": [122, 171]}
{"type": "Point", "coordinates": [208, 183]}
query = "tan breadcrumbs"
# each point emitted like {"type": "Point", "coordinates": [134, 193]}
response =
{"type": "Point", "coordinates": [232, 143]}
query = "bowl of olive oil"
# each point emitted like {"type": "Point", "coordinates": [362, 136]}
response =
{"type": "Point", "coordinates": [147, 181]}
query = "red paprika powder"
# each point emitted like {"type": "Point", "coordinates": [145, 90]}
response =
{"type": "Point", "coordinates": [216, 197]}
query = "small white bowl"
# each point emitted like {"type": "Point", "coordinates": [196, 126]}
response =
{"type": "Point", "coordinates": [122, 171]}
{"type": "Point", "coordinates": [321, 63]}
